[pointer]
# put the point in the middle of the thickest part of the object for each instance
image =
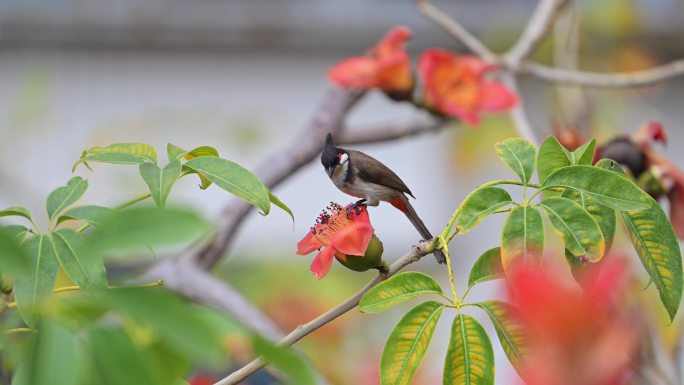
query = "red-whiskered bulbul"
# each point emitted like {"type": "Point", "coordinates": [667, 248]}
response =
{"type": "Point", "coordinates": [362, 176]}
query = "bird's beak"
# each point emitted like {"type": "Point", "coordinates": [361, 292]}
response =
{"type": "Point", "coordinates": [330, 170]}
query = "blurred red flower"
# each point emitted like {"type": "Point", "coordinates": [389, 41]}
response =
{"type": "Point", "coordinates": [576, 337]}
{"type": "Point", "coordinates": [344, 231]}
{"type": "Point", "coordinates": [455, 85]}
{"type": "Point", "coordinates": [201, 379]}
{"type": "Point", "coordinates": [386, 66]}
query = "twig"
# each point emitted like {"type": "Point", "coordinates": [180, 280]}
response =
{"type": "Point", "coordinates": [520, 120]}
{"type": "Point", "coordinates": [300, 332]}
{"type": "Point", "coordinates": [390, 131]}
{"type": "Point", "coordinates": [535, 31]}
{"type": "Point", "coordinates": [456, 30]}
{"type": "Point", "coordinates": [597, 79]}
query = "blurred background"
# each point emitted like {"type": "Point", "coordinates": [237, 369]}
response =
{"type": "Point", "coordinates": [245, 76]}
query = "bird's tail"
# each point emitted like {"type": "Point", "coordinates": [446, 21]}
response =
{"type": "Point", "coordinates": [404, 205]}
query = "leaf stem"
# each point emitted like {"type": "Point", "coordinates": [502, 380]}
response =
{"type": "Point", "coordinates": [120, 207]}
{"type": "Point", "coordinates": [509, 181]}
{"type": "Point", "coordinates": [445, 248]}
{"type": "Point", "coordinates": [465, 294]}
{"type": "Point", "coordinates": [451, 222]}
{"type": "Point", "coordinates": [19, 330]}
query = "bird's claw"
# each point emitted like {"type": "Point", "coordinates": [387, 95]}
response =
{"type": "Point", "coordinates": [356, 206]}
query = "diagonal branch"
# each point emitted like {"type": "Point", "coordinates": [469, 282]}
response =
{"type": "Point", "coordinates": [536, 29]}
{"type": "Point", "coordinates": [302, 331]}
{"type": "Point", "coordinates": [596, 79]}
{"type": "Point", "coordinates": [456, 30]}
{"type": "Point", "coordinates": [392, 131]}
{"type": "Point", "coordinates": [520, 119]}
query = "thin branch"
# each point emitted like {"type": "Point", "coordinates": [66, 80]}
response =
{"type": "Point", "coordinates": [456, 30]}
{"type": "Point", "coordinates": [391, 131]}
{"type": "Point", "coordinates": [597, 79]}
{"type": "Point", "coordinates": [302, 331]}
{"type": "Point", "coordinates": [536, 29]}
{"type": "Point", "coordinates": [518, 113]}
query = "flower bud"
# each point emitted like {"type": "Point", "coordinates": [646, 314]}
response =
{"type": "Point", "coordinates": [372, 259]}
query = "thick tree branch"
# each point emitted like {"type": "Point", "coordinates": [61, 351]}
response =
{"type": "Point", "coordinates": [596, 79]}
{"type": "Point", "coordinates": [456, 30]}
{"type": "Point", "coordinates": [536, 29]}
{"type": "Point", "coordinates": [350, 303]}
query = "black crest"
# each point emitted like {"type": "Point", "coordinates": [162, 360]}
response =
{"type": "Point", "coordinates": [329, 155]}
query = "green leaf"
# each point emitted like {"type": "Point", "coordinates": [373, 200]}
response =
{"type": "Point", "coordinates": [233, 178]}
{"type": "Point", "coordinates": [201, 151]}
{"type": "Point", "coordinates": [406, 345]}
{"type": "Point", "coordinates": [519, 155]}
{"type": "Point", "coordinates": [604, 216]}
{"type": "Point", "coordinates": [83, 268]}
{"type": "Point", "coordinates": [16, 211]}
{"type": "Point", "coordinates": [470, 358]}
{"type": "Point", "coordinates": [511, 333]}
{"type": "Point", "coordinates": [13, 260]}
{"type": "Point", "coordinates": [160, 180]}
{"type": "Point", "coordinates": [658, 249]}
{"type": "Point", "coordinates": [285, 360]}
{"type": "Point", "coordinates": [55, 356]}
{"type": "Point", "coordinates": [584, 155]}
{"type": "Point", "coordinates": [397, 289]}
{"type": "Point", "coordinates": [274, 199]}
{"type": "Point", "coordinates": [575, 226]}
{"type": "Point", "coordinates": [174, 152]}
{"type": "Point", "coordinates": [487, 267]}
{"type": "Point", "coordinates": [16, 232]}
{"type": "Point", "coordinates": [522, 240]}
{"type": "Point", "coordinates": [175, 321]}
{"type": "Point", "coordinates": [119, 153]}
{"type": "Point", "coordinates": [480, 204]}
{"type": "Point", "coordinates": [118, 361]}
{"type": "Point", "coordinates": [143, 227]}
{"type": "Point", "coordinates": [89, 213]}
{"type": "Point", "coordinates": [31, 289]}
{"type": "Point", "coordinates": [552, 156]}
{"type": "Point", "coordinates": [608, 188]}
{"type": "Point", "coordinates": [63, 196]}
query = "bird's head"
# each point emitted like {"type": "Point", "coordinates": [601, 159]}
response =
{"type": "Point", "coordinates": [332, 156]}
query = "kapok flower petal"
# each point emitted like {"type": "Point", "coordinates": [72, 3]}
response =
{"type": "Point", "coordinates": [469, 116]}
{"type": "Point", "coordinates": [355, 72]}
{"type": "Point", "coordinates": [496, 97]}
{"type": "Point", "coordinates": [322, 263]}
{"type": "Point", "coordinates": [394, 73]}
{"type": "Point", "coordinates": [393, 40]}
{"type": "Point", "coordinates": [353, 239]}
{"type": "Point", "coordinates": [477, 65]}
{"type": "Point", "coordinates": [308, 244]}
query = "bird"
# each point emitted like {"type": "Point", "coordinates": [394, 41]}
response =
{"type": "Point", "coordinates": [365, 177]}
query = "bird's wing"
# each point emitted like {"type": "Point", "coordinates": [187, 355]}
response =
{"type": "Point", "coordinates": [376, 172]}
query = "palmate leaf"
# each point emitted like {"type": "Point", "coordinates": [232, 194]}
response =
{"type": "Point", "coordinates": [16, 211]}
{"type": "Point", "coordinates": [195, 153]}
{"type": "Point", "coordinates": [397, 289]}
{"type": "Point", "coordinates": [13, 259]}
{"type": "Point", "coordinates": [233, 178]}
{"type": "Point", "coordinates": [63, 196]}
{"type": "Point", "coordinates": [119, 153]}
{"type": "Point", "coordinates": [470, 358]}
{"type": "Point", "coordinates": [519, 155]}
{"type": "Point", "coordinates": [578, 230]}
{"type": "Point", "coordinates": [407, 344]}
{"type": "Point", "coordinates": [608, 188]}
{"type": "Point", "coordinates": [159, 180]}
{"type": "Point", "coordinates": [84, 268]}
{"type": "Point", "coordinates": [512, 334]}
{"type": "Point", "coordinates": [604, 216]}
{"type": "Point", "coordinates": [552, 156]}
{"type": "Point", "coordinates": [522, 239]}
{"type": "Point", "coordinates": [584, 155]}
{"type": "Point", "coordinates": [90, 214]}
{"type": "Point", "coordinates": [480, 204]}
{"type": "Point", "coordinates": [487, 267]}
{"type": "Point", "coordinates": [31, 289]}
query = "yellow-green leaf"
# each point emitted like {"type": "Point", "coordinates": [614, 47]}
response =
{"type": "Point", "coordinates": [551, 157]}
{"type": "Point", "coordinates": [603, 215]}
{"type": "Point", "coordinates": [89, 213]}
{"type": "Point", "coordinates": [119, 153]}
{"type": "Point", "coordinates": [480, 204]}
{"type": "Point", "coordinates": [519, 155]}
{"type": "Point", "coordinates": [201, 151]}
{"type": "Point", "coordinates": [406, 345]}
{"type": "Point", "coordinates": [83, 268]}
{"type": "Point", "coordinates": [396, 289]}
{"type": "Point", "coordinates": [31, 289]}
{"type": "Point", "coordinates": [16, 211]}
{"type": "Point", "coordinates": [160, 181]}
{"type": "Point", "coordinates": [274, 199]}
{"type": "Point", "coordinates": [573, 224]}
{"type": "Point", "coordinates": [470, 358]}
{"type": "Point", "coordinates": [487, 267]}
{"type": "Point", "coordinates": [584, 154]}
{"type": "Point", "coordinates": [174, 152]}
{"type": "Point", "coordinates": [63, 196]}
{"type": "Point", "coordinates": [522, 239]}
{"type": "Point", "coordinates": [512, 334]}
{"type": "Point", "coordinates": [608, 188]}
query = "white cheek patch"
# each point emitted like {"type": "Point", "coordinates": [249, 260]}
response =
{"type": "Point", "coordinates": [343, 159]}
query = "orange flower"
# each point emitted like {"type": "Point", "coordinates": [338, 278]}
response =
{"type": "Point", "coordinates": [344, 232]}
{"type": "Point", "coordinates": [585, 337]}
{"type": "Point", "coordinates": [386, 66]}
{"type": "Point", "coordinates": [455, 85]}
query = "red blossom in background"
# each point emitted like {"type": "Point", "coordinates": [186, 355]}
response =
{"type": "Point", "coordinates": [341, 233]}
{"type": "Point", "coordinates": [576, 337]}
{"type": "Point", "coordinates": [455, 85]}
{"type": "Point", "coordinates": [386, 66]}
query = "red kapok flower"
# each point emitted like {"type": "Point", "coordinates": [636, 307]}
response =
{"type": "Point", "coordinates": [573, 337]}
{"type": "Point", "coordinates": [386, 66]}
{"type": "Point", "coordinates": [455, 85]}
{"type": "Point", "coordinates": [342, 233]}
